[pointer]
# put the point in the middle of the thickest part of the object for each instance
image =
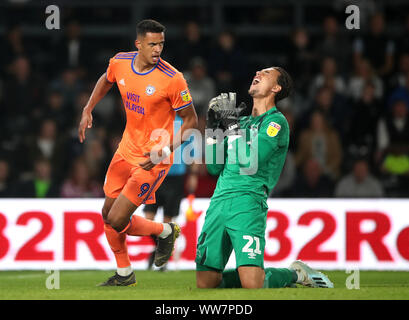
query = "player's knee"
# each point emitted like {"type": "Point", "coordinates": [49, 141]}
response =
{"type": "Point", "coordinates": [251, 277]}
{"type": "Point", "coordinates": [203, 284]}
{"type": "Point", "coordinates": [117, 223]}
{"type": "Point", "coordinates": [207, 282]}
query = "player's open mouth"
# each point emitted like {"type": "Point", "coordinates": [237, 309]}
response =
{"type": "Point", "coordinates": [155, 58]}
{"type": "Point", "coordinates": [255, 81]}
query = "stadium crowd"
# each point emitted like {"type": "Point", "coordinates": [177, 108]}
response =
{"type": "Point", "coordinates": [349, 114]}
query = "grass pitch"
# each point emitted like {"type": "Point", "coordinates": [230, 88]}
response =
{"type": "Point", "coordinates": [180, 285]}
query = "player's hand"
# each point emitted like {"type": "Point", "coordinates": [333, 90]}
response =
{"type": "Point", "coordinates": [86, 122]}
{"type": "Point", "coordinates": [154, 157]}
{"type": "Point", "coordinates": [221, 106]}
{"type": "Point", "coordinates": [147, 164]}
{"type": "Point", "coordinates": [212, 116]}
{"type": "Point", "coordinates": [224, 105]}
{"type": "Point", "coordinates": [230, 118]}
{"type": "Point", "coordinates": [226, 102]}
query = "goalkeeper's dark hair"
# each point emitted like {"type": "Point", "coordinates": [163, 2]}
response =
{"type": "Point", "coordinates": [149, 25]}
{"type": "Point", "coordinates": [285, 82]}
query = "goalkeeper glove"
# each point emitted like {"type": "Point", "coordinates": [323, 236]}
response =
{"type": "Point", "coordinates": [212, 117]}
{"type": "Point", "coordinates": [229, 113]}
{"type": "Point", "coordinates": [218, 107]}
{"type": "Point", "coordinates": [230, 119]}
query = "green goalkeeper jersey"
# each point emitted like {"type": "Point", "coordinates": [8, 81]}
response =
{"type": "Point", "coordinates": [252, 162]}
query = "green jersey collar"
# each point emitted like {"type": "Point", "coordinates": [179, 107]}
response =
{"type": "Point", "coordinates": [268, 112]}
{"type": "Point", "coordinates": [272, 110]}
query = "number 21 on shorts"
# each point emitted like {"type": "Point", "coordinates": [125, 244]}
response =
{"type": "Point", "coordinates": [248, 246]}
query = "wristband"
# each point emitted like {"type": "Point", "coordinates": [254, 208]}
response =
{"type": "Point", "coordinates": [210, 141]}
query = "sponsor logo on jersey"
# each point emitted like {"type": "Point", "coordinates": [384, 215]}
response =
{"type": "Point", "coordinates": [150, 90]}
{"type": "Point", "coordinates": [273, 128]}
{"type": "Point", "coordinates": [252, 255]}
{"type": "Point", "coordinates": [185, 95]}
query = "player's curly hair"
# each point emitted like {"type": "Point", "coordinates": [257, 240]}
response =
{"type": "Point", "coordinates": [149, 25]}
{"type": "Point", "coordinates": [286, 84]}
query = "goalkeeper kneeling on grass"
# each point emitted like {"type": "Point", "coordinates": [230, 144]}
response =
{"type": "Point", "coordinates": [248, 152]}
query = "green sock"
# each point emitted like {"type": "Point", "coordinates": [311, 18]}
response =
{"type": "Point", "coordinates": [275, 278]}
{"type": "Point", "coordinates": [279, 277]}
{"type": "Point", "coordinates": [230, 279]}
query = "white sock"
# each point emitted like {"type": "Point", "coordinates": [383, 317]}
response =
{"type": "Point", "coordinates": [124, 271]}
{"type": "Point", "coordinates": [167, 230]}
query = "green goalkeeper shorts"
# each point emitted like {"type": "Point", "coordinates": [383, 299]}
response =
{"type": "Point", "coordinates": [237, 223]}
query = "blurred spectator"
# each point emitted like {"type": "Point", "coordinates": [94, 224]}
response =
{"type": "Point", "coordinates": [398, 79]}
{"type": "Point", "coordinates": [80, 102]}
{"type": "Point", "coordinates": [80, 183]}
{"type": "Point", "coordinates": [328, 76]}
{"type": "Point", "coordinates": [298, 105]}
{"type": "Point", "coordinates": [393, 127]}
{"type": "Point", "coordinates": [5, 184]}
{"type": "Point", "coordinates": [332, 106]}
{"type": "Point", "coordinates": [56, 110]}
{"type": "Point", "coordinates": [105, 110]}
{"type": "Point", "coordinates": [228, 65]}
{"type": "Point", "coordinates": [396, 161]}
{"type": "Point", "coordinates": [403, 40]}
{"type": "Point", "coordinates": [73, 51]}
{"type": "Point", "coordinates": [301, 60]}
{"type": "Point", "coordinates": [41, 185]}
{"type": "Point", "coordinates": [201, 86]}
{"type": "Point", "coordinates": [22, 99]}
{"type": "Point", "coordinates": [400, 93]}
{"type": "Point", "coordinates": [69, 85]}
{"type": "Point", "coordinates": [321, 143]}
{"type": "Point", "coordinates": [334, 44]}
{"type": "Point", "coordinates": [311, 182]}
{"type": "Point", "coordinates": [288, 175]}
{"type": "Point", "coordinates": [12, 46]}
{"type": "Point", "coordinates": [193, 45]}
{"type": "Point", "coordinates": [118, 118]}
{"type": "Point", "coordinates": [360, 183]}
{"type": "Point", "coordinates": [74, 148]}
{"type": "Point", "coordinates": [46, 144]}
{"type": "Point", "coordinates": [96, 157]}
{"type": "Point", "coordinates": [376, 47]}
{"type": "Point", "coordinates": [395, 169]}
{"type": "Point", "coordinates": [363, 74]}
{"type": "Point", "coordinates": [361, 137]}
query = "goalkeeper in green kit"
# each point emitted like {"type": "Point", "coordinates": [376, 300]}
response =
{"type": "Point", "coordinates": [248, 154]}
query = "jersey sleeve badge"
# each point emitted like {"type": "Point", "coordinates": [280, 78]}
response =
{"type": "Point", "coordinates": [273, 129]}
{"type": "Point", "coordinates": [185, 95]}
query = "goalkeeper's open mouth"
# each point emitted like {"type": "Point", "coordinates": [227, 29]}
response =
{"type": "Point", "coordinates": [255, 81]}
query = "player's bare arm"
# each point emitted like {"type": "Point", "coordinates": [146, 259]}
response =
{"type": "Point", "coordinates": [189, 118]}
{"type": "Point", "coordinates": [100, 90]}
